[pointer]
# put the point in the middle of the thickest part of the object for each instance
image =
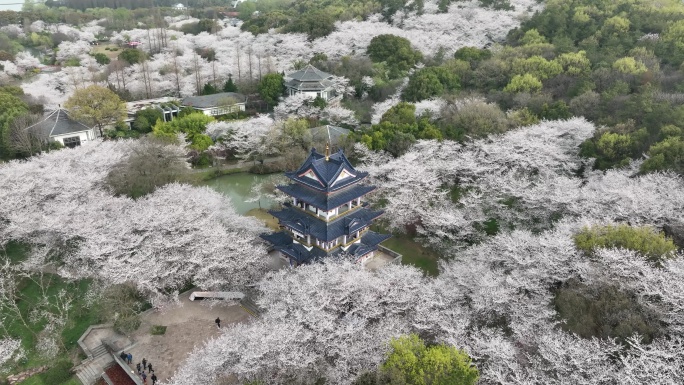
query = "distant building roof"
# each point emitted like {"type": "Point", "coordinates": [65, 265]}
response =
{"type": "Point", "coordinates": [309, 79]}
{"type": "Point", "coordinates": [58, 122]}
{"type": "Point", "coordinates": [309, 73]}
{"type": "Point", "coordinates": [215, 100]}
{"type": "Point", "coordinates": [137, 105]}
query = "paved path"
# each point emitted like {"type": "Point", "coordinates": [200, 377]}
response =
{"type": "Point", "coordinates": [188, 325]}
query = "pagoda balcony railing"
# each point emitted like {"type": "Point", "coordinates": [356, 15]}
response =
{"type": "Point", "coordinates": [350, 240]}
{"type": "Point", "coordinates": [344, 209]}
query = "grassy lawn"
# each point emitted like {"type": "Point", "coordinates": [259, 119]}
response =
{"type": "Point", "coordinates": [110, 54]}
{"type": "Point", "coordinates": [30, 292]}
{"type": "Point", "coordinates": [413, 253]}
{"type": "Point", "coordinates": [263, 215]}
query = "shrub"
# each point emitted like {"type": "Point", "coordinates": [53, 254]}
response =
{"type": "Point", "coordinates": [604, 311]}
{"type": "Point", "coordinates": [153, 165]}
{"type": "Point", "coordinates": [411, 361]}
{"type": "Point", "coordinates": [123, 303]}
{"type": "Point", "coordinates": [158, 330]}
{"type": "Point", "coordinates": [647, 241]}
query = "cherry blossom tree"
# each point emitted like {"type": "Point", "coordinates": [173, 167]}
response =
{"type": "Point", "coordinates": [8, 349]}
{"type": "Point", "coordinates": [329, 320]}
{"type": "Point", "coordinates": [176, 234]}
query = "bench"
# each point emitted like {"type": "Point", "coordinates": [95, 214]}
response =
{"type": "Point", "coordinates": [216, 294]}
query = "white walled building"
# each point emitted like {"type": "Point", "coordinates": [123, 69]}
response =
{"type": "Point", "coordinates": [60, 127]}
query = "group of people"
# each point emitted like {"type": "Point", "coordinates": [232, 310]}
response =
{"type": "Point", "coordinates": [141, 367]}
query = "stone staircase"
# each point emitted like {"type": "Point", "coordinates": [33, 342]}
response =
{"type": "Point", "coordinates": [92, 368]}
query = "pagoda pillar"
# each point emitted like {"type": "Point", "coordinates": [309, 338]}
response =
{"type": "Point", "coordinates": [358, 201]}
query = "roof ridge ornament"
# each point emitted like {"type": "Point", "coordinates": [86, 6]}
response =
{"type": "Point", "coordinates": [327, 151]}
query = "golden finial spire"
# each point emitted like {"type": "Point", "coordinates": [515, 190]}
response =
{"type": "Point", "coordinates": [327, 152]}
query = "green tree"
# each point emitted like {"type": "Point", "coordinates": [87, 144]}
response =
{"type": "Point", "coordinates": [419, 364]}
{"type": "Point", "coordinates": [101, 58]}
{"type": "Point", "coordinates": [472, 55]}
{"type": "Point", "coordinates": [132, 55]}
{"type": "Point", "coordinates": [429, 82]}
{"type": "Point", "coordinates": [423, 84]}
{"type": "Point", "coordinates": [613, 149]}
{"type": "Point", "coordinates": [209, 89]}
{"type": "Point", "coordinates": [271, 87]}
{"type": "Point", "coordinates": [629, 66]}
{"type": "Point", "coordinates": [574, 63]}
{"type": "Point", "coordinates": [229, 86]}
{"type": "Point", "coordinates": [193, 125]}
{"type": "Point", "coordinates": [97, 106]}
{"type": "Point", "coordinates": [645, 240]}
{"type": "Point", "coordinates": [532, 37]}
{"type": "Point", "coordinates": [666, 155]}
{"type": "Point", "coordinates": [146, 118]}
{"type": "Point", "coordinates": [524, 83]}
{"type": "Point", "coordinates": [11, 107]}
{"type": "Point", "coordinates": [537, 66]}
{"type": "Point", "coordinates": [315, 24]}
{"type": "Point", "coordinates": [395, 51]}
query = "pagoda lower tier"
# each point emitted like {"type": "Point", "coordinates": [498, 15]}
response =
{"type": "Point", "coordinates": [300, 253]}
{"type": "Point", "coordinates": [311, 228]}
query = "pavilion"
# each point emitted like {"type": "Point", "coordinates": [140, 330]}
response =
{"type": "Point", "coordinates": [326, 216]}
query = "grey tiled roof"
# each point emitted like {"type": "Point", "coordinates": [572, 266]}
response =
{"type": "Point", "coordinates": [325, 231]}
{"type": "Point", "coordinates": [326, 172]}
{"type": "Point", "coordinates": [215, 100]}
{"type": "Point", "coordinates": [299, 253]}
{"type": "Point", "coordinates": [324, 201]}
{"type": "Point", "coordinates": [58, 122]}
{"type": "Point", "coordinates": [309, 73]}
{"type": "Point", "coordinates": [309, 79]}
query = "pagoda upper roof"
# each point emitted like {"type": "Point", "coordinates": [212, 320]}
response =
{"type": "Point", "coordinates": [326, 174]}
{"type": "Point", "coordinates": [307, 224]}
{"type": "Point", "coordinates": [325, 202]}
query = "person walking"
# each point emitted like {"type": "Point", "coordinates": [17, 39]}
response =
{"type": "Point", "coordinates": [144, 377]}
{"type": "Point", "coordinates": [144, 364]}
{"type": "Point", "coordinates": [154, 379]}
{"type": "Point", "coordinates": [149, 367]}
{"type": "Point", "coordinates": [218, 322]}
{"type": "Point", "coordinates": [137, 366]}
{"type": "Point", "coordinates": [130, 358]}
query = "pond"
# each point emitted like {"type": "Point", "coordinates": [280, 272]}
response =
{"type": "Point", "coordinates": [237, 187]}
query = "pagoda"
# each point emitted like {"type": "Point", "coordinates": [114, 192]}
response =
{"type": "Point", "coordinates": [327, 215]}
